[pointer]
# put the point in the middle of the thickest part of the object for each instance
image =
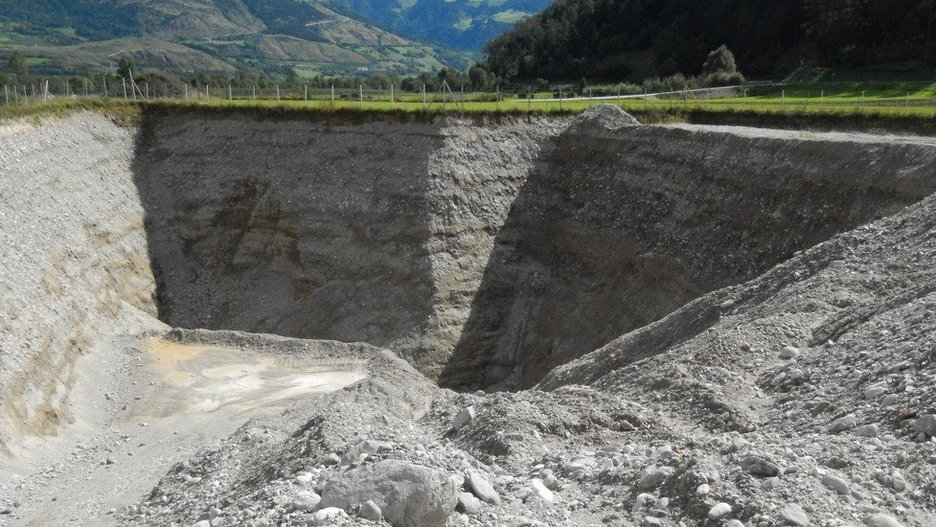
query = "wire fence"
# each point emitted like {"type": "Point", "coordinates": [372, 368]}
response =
{"type": "Point", "coordinates": [129, 90]}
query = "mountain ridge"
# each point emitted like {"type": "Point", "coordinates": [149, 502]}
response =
{"type": "Point", "coordinates": [342, 36]}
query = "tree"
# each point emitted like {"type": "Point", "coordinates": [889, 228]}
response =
{"type": "Point", "coordinates": [292, 77]}
{"type": "Point", "coordinates": [17, 64]}
{"type": "Point", "coordinates": [720, 69]}
{"type": "Point", "coordinates": [720, 60]}
{"type": "Point", "coordinates": [125, 67]}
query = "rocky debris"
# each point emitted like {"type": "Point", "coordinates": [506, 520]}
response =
{"type": "Point", "coordinates": [602, 118]}
{"type": "Point", "coordinates": [406, 494]}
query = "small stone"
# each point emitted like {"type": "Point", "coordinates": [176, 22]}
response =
{"type": "Point", "coordinates": [482, 488]}
{"type": "Point", "coordinates": [703, 489]}
{"type": "Point", "coordinates": [331, 459]}
{"type": "Point", "coordinates": [760, 466]}
{"type": "Point", "coordinates": [642, 500]}
{"type": "Point", "coordinates": [202, 523]}
{"type": "Point", "coordinates": [867, 431]}
{"type": "Point", "coordinates": [719, 511]}
{"type": "Point", "coordinates": [770, 483]}
{"type": "Point", "coordinates": [551, 482]}
{"type": "Point", "coordinates": [464, 418]}
{"type": "Point", "coordinates": [843, 423]}
{"type": "Point", "coordinates": [326, 515]}
{"type": "Point", "coordinates": [789, 352]}
{"type": "Point", "coordinates": [835, 483]}
{"type": "Point", "coordinates": [304, 501]}
{"type": "Point", "coordinates": [889, 400]}
{"type": "Point", "coordinates": [875, 392]}
{"type": "Point", "coordinates": [651, 477]}
{"type": "Point", "coordinates": [793, 514]}
{"type": "Point", "coordinates": [926, 425]}
{"type": "Point", "coordinates": [882, 520]}
{"type": "Point", "coordinates": [370, 511]}
{"type": "Point", "coordinates": [540, 490]}
{"type": "Point", "coordinates": [468, 504]}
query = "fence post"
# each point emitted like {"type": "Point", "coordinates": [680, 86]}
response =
{"type": "Point", "coordinates": [391, 93]}
{"type": "Point", "coordinates": [230, 94]}
{"type": "Point", "coordinates": [6, 94]}
{"type": "Point", "coordinates": [207, 93]}
{"type": "Point", "coordinates": [333, 94]}
{"type": "Point", "coordinates": [306, 96]}
{"type": "Point", "coordinates": [254, 93]}
{"type": "Point", "coordinates": [424, 94]}
{"type": "Point", "coordinates": [146, 87]}
{"type": "Point", "coordinates": [530, 99]}
{"type": "Point", "coordinates": [186, 91]}
{"type": "Point", "coordinates": [361, 92]}
{"type": "Point", "coordinates": [560, 99]}
{"type": "Point", "coordinates": [277, 92]}
{"type": "Point", "coordinates": [497, 97]}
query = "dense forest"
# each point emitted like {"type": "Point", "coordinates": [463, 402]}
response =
{"type": "Point", "coordinates": [636, 39]}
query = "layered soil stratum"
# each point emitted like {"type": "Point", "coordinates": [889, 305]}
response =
{"type": "Point", "coordinates": [233, 318]}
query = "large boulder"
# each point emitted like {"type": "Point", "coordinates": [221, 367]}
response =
{"type": "Point", "coordinates": [408, 495]}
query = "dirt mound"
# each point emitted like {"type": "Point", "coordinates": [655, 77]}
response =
{"type": "Point", "coordinates": [601, 119]}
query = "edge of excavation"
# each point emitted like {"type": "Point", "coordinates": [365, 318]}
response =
{"type": "Point", "coordinates": [815, 119]}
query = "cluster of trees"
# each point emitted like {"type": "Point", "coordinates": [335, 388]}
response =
{"type": "Point", "coordinates": [638, 39]}
{"type": "Point", "coordinates": [476, 79]}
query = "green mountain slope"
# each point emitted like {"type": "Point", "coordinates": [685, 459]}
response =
{"type": "Point", "coordinates": [208, 35]}
{"type": "Point", "coordinates": [456, 24]}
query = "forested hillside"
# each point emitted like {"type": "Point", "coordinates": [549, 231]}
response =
{"type": "Point", "coordinates": [636, 39]}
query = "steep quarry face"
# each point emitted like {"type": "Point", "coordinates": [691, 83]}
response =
{"type": "Point", "coordinates": [487, 255]}
{"type": "Point", "coordinates": [484, 254]}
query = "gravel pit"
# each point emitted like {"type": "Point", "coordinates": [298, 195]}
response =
{"type": "Point", "coordinates": [485, 255]}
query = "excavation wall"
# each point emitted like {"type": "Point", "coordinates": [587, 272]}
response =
{"type": "Point", "coordinates": [485, 254]}
{"type": "Point", "coordinates": [75, 266]}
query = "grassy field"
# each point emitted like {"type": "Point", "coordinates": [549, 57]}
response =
{"type": "Point", "coordinates": [884, 109]}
